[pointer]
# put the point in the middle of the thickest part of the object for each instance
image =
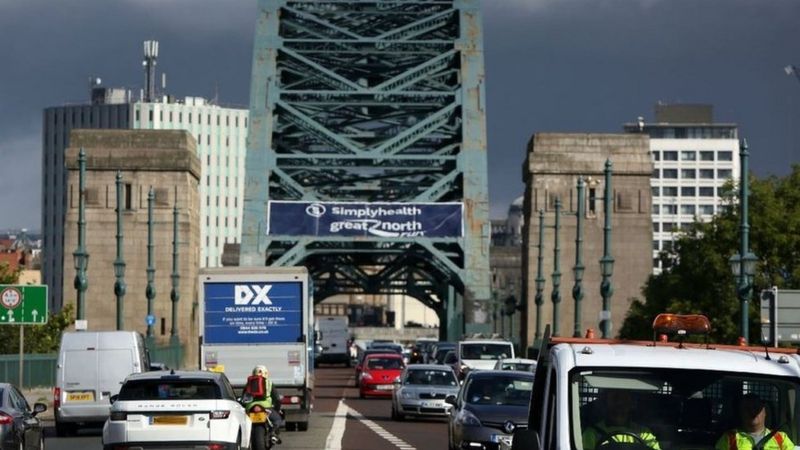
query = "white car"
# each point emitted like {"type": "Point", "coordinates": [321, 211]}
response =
{"type": "Point", "coordinates": [186, 409]}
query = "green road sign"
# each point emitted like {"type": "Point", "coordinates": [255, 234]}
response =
{"type": "Point", "coordinates": [23, 304]}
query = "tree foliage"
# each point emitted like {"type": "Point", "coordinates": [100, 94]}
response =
{"type": "Point", "coordinates": [699, 279]}
{"type": "Point", "coordinates": [38, 338]}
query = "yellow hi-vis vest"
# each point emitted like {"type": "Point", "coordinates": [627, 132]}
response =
{"type": "Point", "coordinates": [593, 434]}
{"type": "Point", "coordinates": [266, 401]}
{"type": "Point", "coordinates": [739, 440]}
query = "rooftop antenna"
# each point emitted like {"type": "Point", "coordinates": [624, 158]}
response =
{"type": "Point", "coordinates": [149, 63]}
{"type": "Point", "coordinates": [163, 82]}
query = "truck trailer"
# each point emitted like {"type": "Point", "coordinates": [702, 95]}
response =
{"type": "Point", "coordinates": [261, 316]}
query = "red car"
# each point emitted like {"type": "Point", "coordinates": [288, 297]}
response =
{"type": "Point", "coordinates": [378, 373]}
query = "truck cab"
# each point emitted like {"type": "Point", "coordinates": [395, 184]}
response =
{"type": "Point", "coordinates": [676, 395]}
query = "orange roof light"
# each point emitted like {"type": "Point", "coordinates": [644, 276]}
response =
{"type": "Point", "coordinates": [681, 324]}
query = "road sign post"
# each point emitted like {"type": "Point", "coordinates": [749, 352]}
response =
{"type": "Point", "coordinates": [23, 305]}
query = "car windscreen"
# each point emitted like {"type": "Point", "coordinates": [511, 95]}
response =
{"type": "Point", "coordinates": [500, 390]}
{"type": "Point", "coordinates": [441, 352]}
{"type": "Point", "coordinates": [676, 408]}
{"type": "Point", "coordinates": [485, 351]}
{"type": "Point", "coordinates": [389, 347]}
{"type": "Point", "coordinates": [384, 363]}
{"type": "Point", "coordinates": [433, 377]}
{"type": "Point", "coordinates": [524, 367]}
{"type": "Point", "coordinates": [166, 389]}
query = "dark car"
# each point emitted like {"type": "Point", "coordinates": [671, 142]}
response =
{"type": "Point", "coordinates": [489, 407]}
{"type": "Point", "coordinates": [439, 352]}
{"type": "Point", "coordinates": [19, 426]}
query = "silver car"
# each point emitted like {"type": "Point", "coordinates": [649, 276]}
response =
{"type": "Point", "coordinates": [421, 391]}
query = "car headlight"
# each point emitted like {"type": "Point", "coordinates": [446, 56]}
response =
{"type": "Point", "coordinates": [366, 376]}
{"type": "Point", "coordinates": [467, 419]}
{"type": "Point", "coordinates": [406, 394]}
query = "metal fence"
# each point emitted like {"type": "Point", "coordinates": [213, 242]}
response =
{"type": "Point", "coordinates": [40, 369]}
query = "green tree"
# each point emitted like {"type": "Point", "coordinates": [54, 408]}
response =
{"type": "Point", "coordinates": [7, 275]}
{"type": "Point", "coordinates": [699, 280]}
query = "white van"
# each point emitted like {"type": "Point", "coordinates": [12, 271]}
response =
{"type": "Point", "coordinates": [91, 368]}
{"type": "Point", "coordinates": [333, 335]}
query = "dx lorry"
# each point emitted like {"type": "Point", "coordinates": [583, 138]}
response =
{"type": "Point", "coordinates": [253, 316]}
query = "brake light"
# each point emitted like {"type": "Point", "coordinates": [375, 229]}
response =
{"type": "Point", "coordinates": [216, 447]}
{"type": "Point", "coordinates": [293, 400]}
{"type": "Point", "coordinates": [56, 397]}
{"type": "Point", "coordinates": [120, 447]}
{"type": "Point", "coordinates": [219, 414]}
{"type": "Point", "coordinates": [118, 415]}
{"type": "Point", "coordinates": [5, 419]}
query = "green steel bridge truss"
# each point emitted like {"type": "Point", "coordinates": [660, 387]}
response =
{"type": "Point", "coordinates": [372, 101]}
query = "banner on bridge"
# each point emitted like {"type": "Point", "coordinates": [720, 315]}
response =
{"type": "Point", "coordinates": [325, 219]}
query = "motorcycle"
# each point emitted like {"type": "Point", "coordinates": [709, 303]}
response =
{"type": "Point", "coordinates": [262, 434]}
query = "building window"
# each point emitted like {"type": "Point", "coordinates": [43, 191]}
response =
{"type": "Point", "coordinates": [706, 174]}
{"type": "Point", "coordinates": [208, 119]}
{"type": "Point", "coordinates": [150, 115]}
{"type": "Point", "coordinates": [245, 122]}
{"type": "Point", "coordinates": [180, 117]}
{"type": "Point", "coordinates": [688, 174]}
{"type": "Point", "coordinates": [208, 159]}
{"type": "Point", "coordinates": [217, 120]}
{"type": "Point", "coordinates": [670, 191]}
{"type": "Point", "coordinates": [666, 246]}
{"type": "Point", "coordinates": [216, 221]}
{"type": "Point", "coordinates": [656, 174]}
{"type": "Point", "coordinates": [670, 156]}
{"type": "Point", "coordinates": [208, 221]}
{"type": "Point", "coordinates": [706, 156]}
{"type": "Point", "coordinates": [670, 173]}
{"type": "Point", "coordinates": [208, 201]}
{"type": "Point", "coordinates": [655, 191]}
{"type": "Point", "coordinates": [226, 222]}
{"type": "Point", "coordinates": [137, 115]}
{"type": "Point", "coordinates": [688, 191]}
{"type": "Point", "coordinates": [656, 227]}
{"type": "Point", "coordinates": [235, 223]}
{"type": "Point", "coordinates": [724, 173]}
{"type": "Point", "coordinates": [707, 210]}
{"type": "Point", "coordinates": [656, 263]}
{"type": "Point", "coordinates": [208, 139]}
{"type": "Point", "coordinates": [670, 209]}
{"type": "Point", "coordinates": [706, 191]}
{"type": "Point", "coordinates": [161, 116]}
{"type": "Point", "coordinates": [227, 121]}
{"type": "Point", "coordinates": [688, 209]}
{"type": "Point", "coordinates": [190, 117]}
{"type": "Point", "coordinates": [237, 121]}
{"type": "Point", "coordinates": [235, 202]}
{"type": "Point", "coordinates": [689, 155]}
{"type": "Point", "coordinates": [655, 245]}
{"type": "Point", "coordinates": [128, 196]}
{"type": "Point", "coordinates": [668, 227]}
{"type": "Point", "coordinates": [227, 141]}
{"type": "Point", "coordinates": [656, 209]}
{"type": "Point", "coordinates": [656, 155]}
{"type": "Point", "coordinates": [199, 118]}
{"type": "Point", "coordinates": [724, 156]}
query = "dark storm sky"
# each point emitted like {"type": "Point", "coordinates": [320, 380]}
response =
{"type": "Point", "coordinates": [551, 65]}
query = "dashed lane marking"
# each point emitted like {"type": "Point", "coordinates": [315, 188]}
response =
{"type": "Point", "coordinates": [380, 431]}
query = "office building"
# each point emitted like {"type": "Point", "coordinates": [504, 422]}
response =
{"type": "Point", "coordinates": [693, 157]}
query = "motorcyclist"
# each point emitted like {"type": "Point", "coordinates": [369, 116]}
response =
{"type": "Point", "coordinates": [265, 395]}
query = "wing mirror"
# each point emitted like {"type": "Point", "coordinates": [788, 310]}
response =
{"type": "Point", "coordinates": [39, 408]}
{"type": "Point", "coordinates": [450, 400]}
{"type": "Point", "coordinates": [525, 440]}
{"type": "Point", "coordinates": [113, 399]}
{"type": "Point", "coordinates": [246, 398]}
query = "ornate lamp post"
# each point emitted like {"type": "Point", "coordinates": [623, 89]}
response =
{"type": "Point", "coordinates": [150, 291]}
{"type": "Point", "coordinates": [607, 261]}
{"type": "Point", "coordinates": [743, 264]}
{"type": "Point", "coordinates": [539, 300]}
{"type": "Point", "coordinates": [174, 295]}
{"type": "Point", "coordinates": [80, 255]}
{"type": "Point", "coordinates": [577, 289]}
{"type": "Point", "coordinates": [119, 263]}
{"type": "Point", "coordinates": [555, 297]}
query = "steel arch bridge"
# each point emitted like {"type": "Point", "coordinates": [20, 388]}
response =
{"type": "Point", "coordinates": [372, 101]}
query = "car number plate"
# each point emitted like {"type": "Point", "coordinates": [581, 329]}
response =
{"type": "Point", "coordinates": [84, 396]}
{"type": "Point", "coordinates": [430, 404]}
{"type": "Point", "coordinates": [169, 420]}
{"type": "Point", "coordinates": [502, 439]}
{"type": "Point", "coordinates": [257, 417]}
{"type": "Point", "coordinates": [385, 387]}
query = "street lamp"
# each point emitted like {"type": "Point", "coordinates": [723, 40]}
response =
{"type": "Point", "coordinates": [607, 261]}
{"type": "Point", "coordinates": [539, 299]}
{"type": "Point", "coordinates": [577, 289]}
{"type": "Point", "coordinates": [80, 255]}
{"type": "Point", "coordinates": [743, 264]}
{"type": "Point", "coordinates": [119, 262]}
{"type": "Point", "coordinates": [555, 297]}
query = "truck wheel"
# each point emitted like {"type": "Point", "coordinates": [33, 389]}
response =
{"type": "Point", "coordinates": [64, 429]}
{"type": "Point", "coordinates": [302, 426]}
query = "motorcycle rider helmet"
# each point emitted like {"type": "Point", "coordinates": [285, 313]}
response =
{"type": "Point", "coordinates": [261, 371]}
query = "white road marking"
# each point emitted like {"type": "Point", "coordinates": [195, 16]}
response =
{"type": "Point", "coordinates": [334, 440]}
{"type": "Point", "coordinates": [380, 431]}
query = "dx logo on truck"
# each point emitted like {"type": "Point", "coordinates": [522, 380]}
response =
{"type": "Point", "coordinates": [252, 294]}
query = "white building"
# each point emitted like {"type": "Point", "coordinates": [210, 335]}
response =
{"type": "Point", "coordinates": [693, 157]}
{"type": "Point", "coordinates": [220, 133]}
